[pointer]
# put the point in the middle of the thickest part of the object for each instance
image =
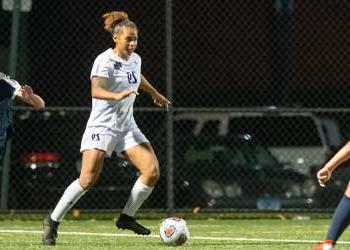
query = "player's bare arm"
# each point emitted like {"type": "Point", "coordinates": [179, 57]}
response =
{"type": "Point", "coordinates": [99, 91]}
{"type": "Point", "coordinates": [158, 98]}
{"type": "Point", "coordinates": [26, 94]}
{"type": "Point", "coordinates": [324, 174]}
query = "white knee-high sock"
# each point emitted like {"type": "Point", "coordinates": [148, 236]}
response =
{"type": "Point", "coordinates": [70, 196]}
{"type": "Point", "coordinates": [139, 193]}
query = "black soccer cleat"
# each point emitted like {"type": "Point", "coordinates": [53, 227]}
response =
{"type": "Point", "coordinates": [50, 232]}
{"type": "Point", "coordinates": [128, 222]}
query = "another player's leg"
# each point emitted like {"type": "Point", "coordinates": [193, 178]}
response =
{"type": "Point", "coordinates": [143, 158]}
{"type": "Point", "coordinates": [340, 221]}
{"type": "Point", "coordinates": [91, 167]}
{"type": "Point", "coordinates": [5, 134]}
{"type": "Point", "coordinates": [325, 245]}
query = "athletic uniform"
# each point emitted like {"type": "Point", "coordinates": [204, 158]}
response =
{"type": "Point", "coordinates": [8, 91]}
{"type": "Point", "coordinates": [111, 126]}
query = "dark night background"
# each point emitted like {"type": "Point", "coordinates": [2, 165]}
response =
{"type": "Point", "coordinates": [226, 53]}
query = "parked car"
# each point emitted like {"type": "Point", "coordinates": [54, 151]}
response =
{"type": "Point", "coordinates": [271, 167]}
{"type": "Point", "coordinates": [46, 159]}
{"type": "Point", "coordinates": [237, 172]}
{"type": "Point", "coordinates": [41, 178]}
{"type": "Point", "coordinates": [301, 139]}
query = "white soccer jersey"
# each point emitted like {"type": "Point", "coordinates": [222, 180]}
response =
{"type": "Point", "coordinates": [8, 87]}
{"type": "Point", "coordinates": [122, 74]}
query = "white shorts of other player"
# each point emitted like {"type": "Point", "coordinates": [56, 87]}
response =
{"type": "Point", "coordinates": [119, 141]}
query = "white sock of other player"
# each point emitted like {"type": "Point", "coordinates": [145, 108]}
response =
{"type": "Point", "coordinates": [139, 193]}
{"type": "Point", "coordinates": [70, 196]}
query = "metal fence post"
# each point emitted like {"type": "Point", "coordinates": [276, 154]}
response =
{"type": "Point", "coordinates": [169, 79]}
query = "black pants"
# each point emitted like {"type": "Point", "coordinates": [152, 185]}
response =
{"type": "Point", "coordinates": [5, 134]}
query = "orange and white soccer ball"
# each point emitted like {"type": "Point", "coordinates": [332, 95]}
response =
{"type": "Point", "coordinates": [174, 231]}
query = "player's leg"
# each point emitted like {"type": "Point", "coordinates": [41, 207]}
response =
{"type": "Point", "coordinates": [144, 159]}
{"type": "Point", "coordinates": [5, 133]}
{"type": "Point", "coordinates": [92, 162]}
{"type": "Point", "coordinates": [340, 221]}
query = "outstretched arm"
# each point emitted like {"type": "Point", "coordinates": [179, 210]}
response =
{"type": "Point", "coordinates": [27, 95]}
{"type": "Point", "coordinates": [324, 174]}
{"type": "Point", "coordinates": [158, 98]}
{"type": "Point", "coordinates": [10, 88]}
{"type": "Point", "coordinates": [99, 91]}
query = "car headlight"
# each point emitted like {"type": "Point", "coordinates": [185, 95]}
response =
{"type": "Point", "coordinates": [233, 190]}
{"type": "Point", "coordinates": [294, 190]}
{"type": "Point", "coordinates": [212, 188]}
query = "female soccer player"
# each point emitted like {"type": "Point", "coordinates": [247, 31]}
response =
{"type": "Point", "coordinates": [115, 79]}
{"type": "Point", "coordinates": [10, 89]}
{"type": "Point", "coordinates": [341, 216]}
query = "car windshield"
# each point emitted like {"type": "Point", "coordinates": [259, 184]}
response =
{"type": "Point", "coordinates": [254, 156]}
{"type": "Point", "coordinates": [265, 130]}
{"type": "Point", "coordinates": [219, 150]}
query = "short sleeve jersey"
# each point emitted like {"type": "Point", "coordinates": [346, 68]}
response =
{"type": "Point", "coordinates": [8, 91]}
{"type": "Point", "coordinates": [122, 74]}
{"type": "Point", "coordinates": [8, 87]}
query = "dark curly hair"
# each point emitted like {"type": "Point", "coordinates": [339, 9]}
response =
{"type": "Point", "coordinates": [115, 20]}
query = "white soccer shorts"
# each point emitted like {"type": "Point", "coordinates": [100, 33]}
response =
{"type": "Point", "coordinates": [97, 137]}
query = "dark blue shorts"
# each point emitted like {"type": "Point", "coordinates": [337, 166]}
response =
{"type": "Point", "coordinates": [5, 133]}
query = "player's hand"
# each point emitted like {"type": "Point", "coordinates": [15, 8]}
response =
{"type": "Point", "coordinates": [125, 93]}
{"type": "Point", "coordinates": [161, 101]}
{"type": "Point", "coordinates": [323, 175]}
{"type": "Point", "coordinates": [26, 91]}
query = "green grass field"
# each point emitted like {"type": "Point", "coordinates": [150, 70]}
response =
{"type": "Point", "coordinates": [247, 234]}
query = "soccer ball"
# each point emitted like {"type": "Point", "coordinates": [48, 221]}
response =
{"type": "Point", "coordinates": [174, 231]}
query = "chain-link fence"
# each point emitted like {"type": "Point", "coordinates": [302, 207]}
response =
{"type": "Point", "coordinates": [259, 92]}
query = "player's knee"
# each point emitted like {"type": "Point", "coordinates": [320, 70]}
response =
{"type": "Point", "coordinates": [154, 177]}
{"type": "Point", "coordinates": [87, 181]}
{"type": "Point", "coordinates": [152, 173]}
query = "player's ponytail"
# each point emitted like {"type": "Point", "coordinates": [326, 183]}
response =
{"type": "Point", "coordinates": [115, 19]}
